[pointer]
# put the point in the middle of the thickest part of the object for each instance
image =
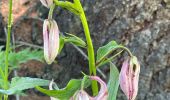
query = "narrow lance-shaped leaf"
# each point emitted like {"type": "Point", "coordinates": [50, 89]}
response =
{"type": "Point", "coordinates": [67, 92]}
{"type": "Point", "coordinates": [19, 84]}
{"type": "Point", "coordinates": [61, 43]}
{"type": "Point", "coordinates": [104, 51]}
{"type": "Point", "coordinates": [113, 83]}
{"type": "Point", "coordinates": [75, 40]}
{"type": "Point", "coordinates": [70, 38]}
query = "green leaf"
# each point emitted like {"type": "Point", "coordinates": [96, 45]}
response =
{"type": "Point", "coordinates": [68, 5]}
{"type": "Point", "coordinates": [68, 91]}
{"type": "Point", "coordinates": [104, 51]}
{"type": "Point", "coordinates": [24, 56]}
{"type": "Point", "coordinates": [16, 58]}
{"type": "Point", "coordinates": [108, 59]}
{"type": "Point", "coordinates": [113, 83]}
{"type": "Point", "coordinates": [75, 40]}
{"type": "Point", "coordinates": [19, 84]}
{"type": "Point", "coordinates": [61, 43]}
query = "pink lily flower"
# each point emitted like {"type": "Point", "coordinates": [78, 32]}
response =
{"type": "Point", "coordinates": [81, 95]}
{"type": "Point", "coordinates": [51, 40]}
{"type": "Point", "coordinates": [102, 95]}
{"type": "Point", "coordinates": [47, 3]}
{"type": "Point", "coordinates": [129, 77]}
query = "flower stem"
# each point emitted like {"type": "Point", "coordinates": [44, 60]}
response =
{"type": "Point", "coordinates": [77, 9]}
{"type": "Point", "coordinates": [8, 47]}
{"type": "Point", "coordinates": [50, 14]}
{"type": "Point", "coordinates": [91, 58]}
{"type": "Point", "coordinates": [128, 51]}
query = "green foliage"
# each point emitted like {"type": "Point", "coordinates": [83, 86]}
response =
{"type": "Point", "coordinates": [70, 38]}
{"type": "Point", "coordinates": [72, 7]}
{"type": "Point", "coordinates": [68, 91]}
{"type": "Point", "coordinates": [15, 59]}
{"type": "Point", "coordinates": [75, 40]}
{"type": "Point", "coordinates": [61, 44]}
{"type": "Point", "coordinates": [113, 83]}
{"type": "Point", "coordinates": [104, 51]}
{"type": "Point", "coordinates": [18, 84]}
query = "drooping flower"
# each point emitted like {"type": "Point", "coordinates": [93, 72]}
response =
{"type": "Point", "coordinates": [102, 95]}
{"type": "Point", "coordinates": [47, 3]}
{"type": "Point", "coordinates": [51, 40]}
{"type": "Point", "coordinates": [129, 77]}
{"type": "Point", "coordinates": [81, 95]}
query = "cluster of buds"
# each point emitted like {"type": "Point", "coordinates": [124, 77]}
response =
{"type": "Point", "coordinates": [129, 77]}
{"type": "Point", "coordinates": [102, 95]}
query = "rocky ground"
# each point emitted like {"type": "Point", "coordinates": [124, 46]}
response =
{"type": "Point", "coordinates": [141, 25]}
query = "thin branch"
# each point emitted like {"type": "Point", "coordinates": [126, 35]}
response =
{"type": "Point", "coordinates": [83, 54]}
{"type": "Point", "coordinates": [25, 43]}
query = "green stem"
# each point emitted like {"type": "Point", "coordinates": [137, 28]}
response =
{"type": "Point", "coordinates": [2, 73]}
{"type": "Point", "coordinates": [50, 14]}
{"type": "Point", "coordinates": [77, 9]}
{"type": "Point", "coordinates": [106, 60]}
{"type": "Point", "coordinates": [8, 47]}
{"type": "Point", "coordinates": [91, 58]}
{"type": "Point", "coordinates": [90, 50]}
{"type": "Point", "coordinates": [129, 52]}
{"type": "Point", "coordinates": [5, 97]}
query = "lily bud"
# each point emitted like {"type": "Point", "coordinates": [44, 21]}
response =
{"type": "Point", "coordinates": [80, 95]}
{"type": "Point", "coordinates": [129, 77]}
{"type": "Point", "coordinates": [47, 3]}
{"type": "Point", "coordinates": [51, 40]}
{"type": "Point", "coordinates": [102, 95]}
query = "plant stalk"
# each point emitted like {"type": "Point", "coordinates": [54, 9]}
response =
{"type": "Point", "coordinates": [90, 49]}
{"type": "Point", "coordinates": [78, 7]}
{"type": "Point", "coordinates": [50, 14]}
{"type": "Point", "coordinates": [8, 47]}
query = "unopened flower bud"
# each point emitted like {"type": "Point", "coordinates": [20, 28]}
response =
{"type": "Point", "coordinates": [80, 95]}
{"type": "Point", "coordinates": [129, 77]}
{"type": "Point", "coordinates": [102, 95]}
{"type": "Point", "coordinates": [47, 3]}
{"type": "Point", "coordinates": [51, 40]}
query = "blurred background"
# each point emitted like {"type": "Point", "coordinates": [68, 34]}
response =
{"type": "Point", "coordinates": [141, 25]}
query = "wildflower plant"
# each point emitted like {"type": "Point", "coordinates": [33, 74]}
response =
{"type": "Point", "coordinates": [75, 89]}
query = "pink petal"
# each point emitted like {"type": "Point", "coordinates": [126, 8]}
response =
{"type": "Point", "coordinates": [103, 93]}
{"type": "Point", "coordinates": [51, 40]}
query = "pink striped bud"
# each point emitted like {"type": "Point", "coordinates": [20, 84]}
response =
{"type": "Point", "coordinates": [80, 95]}
{"type": "Point", "coordinates": [47, 3]}
{"type": "Point", "coordinates": [102, 95]}
{"type": "Point", "coordinates": [129, 77]}
{"type": "Point", "coordinates": [51, 40]}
